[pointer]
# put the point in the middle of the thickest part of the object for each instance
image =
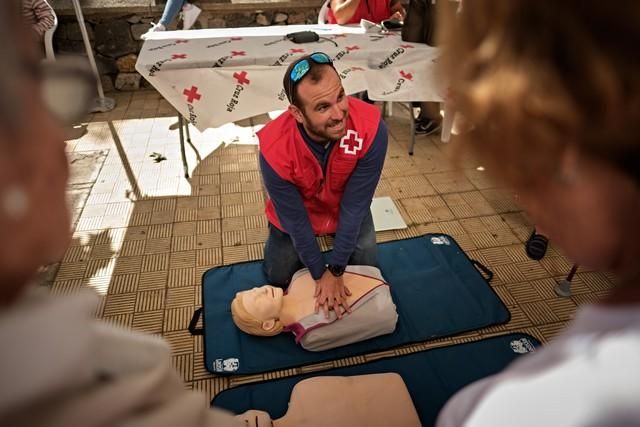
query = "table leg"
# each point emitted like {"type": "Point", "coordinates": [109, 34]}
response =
{"type": "Point", "coordinates": [182, 151]}
{"type": "Point", "coordinates": [412, 130]}
{"type": "Point", "coordinates": [387, 109]}
{"type": "Point", "coordinates": [193, 147]}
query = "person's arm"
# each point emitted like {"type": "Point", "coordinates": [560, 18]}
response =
{"type": "Point", "coordinates": [343, 10]}
{"type": "Point", "coordinates": [293, 217]}
{"type": "Point", "coordinates": [44, 17]}
{"type": "Point", "coordinates": [356, 200]}
{"type": "Point", "coordinates": [398, 10]}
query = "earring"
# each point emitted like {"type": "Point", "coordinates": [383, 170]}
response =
{"type": "Point", "coordinates": [14, 202]}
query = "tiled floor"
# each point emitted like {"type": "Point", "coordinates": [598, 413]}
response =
{"type": "Point", "coordinates": [146, 234]}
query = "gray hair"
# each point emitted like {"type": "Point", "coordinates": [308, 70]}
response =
{"type": "Point", "coordinates": [10, 34]}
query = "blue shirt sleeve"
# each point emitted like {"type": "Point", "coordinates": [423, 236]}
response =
{"type": "Point", "coordinates": [293, 217]}
{"type": "Point", "coordinates": [356, 200]}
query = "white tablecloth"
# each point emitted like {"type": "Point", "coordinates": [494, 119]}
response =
{"type": "Point", "coordinates": [217, 76]}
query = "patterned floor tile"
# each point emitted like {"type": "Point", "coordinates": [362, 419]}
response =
{"type": "Point", "coordinates": [147, 254]}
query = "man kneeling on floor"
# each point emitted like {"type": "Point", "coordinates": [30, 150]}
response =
{"type": "Point", "coordinates": [321, 161]}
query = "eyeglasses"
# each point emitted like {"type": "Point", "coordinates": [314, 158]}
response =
{"type": "Point", "coordinates": [68, 88]}
{"type": "Point", "coordinates": [302, 67]}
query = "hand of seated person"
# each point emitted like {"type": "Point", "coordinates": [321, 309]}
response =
{"type": "Point", "coordinates": [398, 12]}
{"type": "Point", "coordinates": [397, 16]}
{"type": "Point", "coordinates": [331, 294]}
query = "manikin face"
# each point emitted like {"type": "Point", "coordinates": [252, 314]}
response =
{"type": "Point", "coordinates": [325, 107]}
{"type": "Point", "coordinates": [263, 303]}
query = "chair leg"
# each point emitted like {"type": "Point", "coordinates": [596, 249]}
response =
{"type": "Point", "coordinates": [193, 147]}
{"type": "Point", "coordinates": [48, 46]}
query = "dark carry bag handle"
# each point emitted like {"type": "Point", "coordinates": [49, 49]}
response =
{"type": "Point", "coordinates": [303, 37]}
{"type": "Point", "coordinates": [194, 322]}
{"type": "Point", "coordinates": [483, 269]}
{"type": "Point", "coordinates": [391, 24]}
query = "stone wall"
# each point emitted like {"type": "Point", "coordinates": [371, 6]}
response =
{"type": "Point", "coordinates": [115, 37]}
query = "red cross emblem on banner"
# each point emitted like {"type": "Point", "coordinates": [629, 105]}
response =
{"type": "Point", "coordinates": [407, 76]}
{"type": "Point", "coordinates": [179, 56]}
{"type": "Point", "coordinates": [238, 53]}
{"type": "Point", "coordinates": [407, 46]}
{"type": "Point", "coordinates": [182, 41]}
{"type": "Point", "coordinates": [350, 48]}
{"type": "Point", "coordinates": [192, 94]}
{"type": "Point", "coordinates": [241, 77]}
{"type": "Point", "coordinates": [296, 50]}
{"type": "Point", "coordinates": [235, 38]}
{"type": "Point", "coordinates": [350, 143]}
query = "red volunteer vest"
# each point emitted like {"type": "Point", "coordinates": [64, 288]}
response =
{"type": "Point", "coordinates": [283, 147]}
{"type": "Point", "coordinates": [371, 10]}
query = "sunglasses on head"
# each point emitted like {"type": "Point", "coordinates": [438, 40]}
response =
{"type": "Point", "coordinates": [302, 67]}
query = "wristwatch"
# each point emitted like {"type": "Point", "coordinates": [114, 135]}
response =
{"type": "Point", "coordinates": [336, 270]}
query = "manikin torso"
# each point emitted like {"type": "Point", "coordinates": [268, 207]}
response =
{"type": "Point", "coordinates": [372, 310]}
{"type": "Point", "coordinates": [299, 301]}
{"type": "Point", "coordinates": [377, 400]}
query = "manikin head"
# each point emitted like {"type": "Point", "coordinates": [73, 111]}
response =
{"type": "Point", "coordinates": [317, 98]}
{"type": "Point", "coordinates": [257, 311]}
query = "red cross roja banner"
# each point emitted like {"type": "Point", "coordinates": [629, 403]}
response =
{"type": "Point", "coordinates": [213, 77]}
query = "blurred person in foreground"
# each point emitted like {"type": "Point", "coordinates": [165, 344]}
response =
{"type": "Point", "coordinates": [554, 93]}
{"type": "Point", "coordinates": [60, 366]}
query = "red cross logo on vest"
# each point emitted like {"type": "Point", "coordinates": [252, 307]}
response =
{"type": "Point", "coordinates": [350, 143]}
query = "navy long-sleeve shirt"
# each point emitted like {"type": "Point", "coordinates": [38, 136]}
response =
{"type": "Point", "coordinates": [355, 203]}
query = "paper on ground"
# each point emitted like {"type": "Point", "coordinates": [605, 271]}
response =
{"type": "Point", "coordinates": [386, 215]}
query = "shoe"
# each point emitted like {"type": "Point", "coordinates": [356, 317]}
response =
{"type": "Point", "coordinates": [153, 29]}
{"type": "Point", "coordinates": [427, 127]}
{"type": "Point", "coordinates": [190, 13]}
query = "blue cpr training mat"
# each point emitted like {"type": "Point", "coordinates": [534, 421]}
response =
{"type": "Point", "coordinates": [431, 376]}
{"type": "Point", "coordinates": [437, 289]}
